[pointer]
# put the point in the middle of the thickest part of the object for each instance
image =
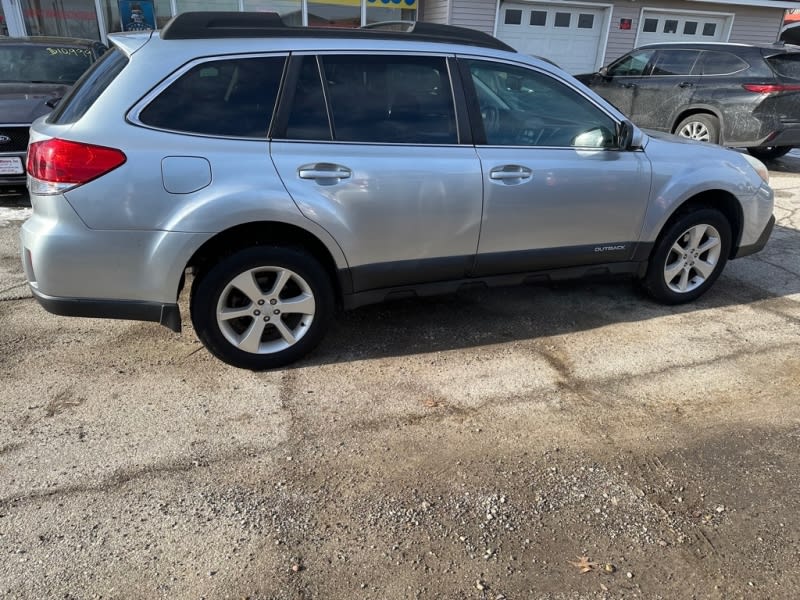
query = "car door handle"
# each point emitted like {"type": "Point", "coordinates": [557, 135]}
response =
{"type": "Point", "coordinates": [323, 171]}
{"type": "Point", "coordinates": [628, 86]}
{"type": "Point", "coordinates": [510, 172]}
{"type": "Point", "coordinates": [685, 84]}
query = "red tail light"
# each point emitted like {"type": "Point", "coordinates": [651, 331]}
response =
{"type": "Point", "coordinates": [62, 162]}
{"type": "Point", "coordinates": [770, 88]}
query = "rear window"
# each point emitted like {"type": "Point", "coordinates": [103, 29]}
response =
{"type": "Point", "coordinates": [89, 87]}
{"type": "Point", "coordinates": [233, 97]}
{"type": "Point", "coordinates": [786, 65]}
{"type": "Point", "coordinates": [53, 63]}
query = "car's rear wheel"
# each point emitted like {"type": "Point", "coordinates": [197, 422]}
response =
{"type": "Point", "coordinates": [263, 307]}
{"type": "Point", "coordinates": [688, 257]}
{"type": "Point", "coordinates": [769, 152]}
{"type": "Point", "coordinates": [701, 127]}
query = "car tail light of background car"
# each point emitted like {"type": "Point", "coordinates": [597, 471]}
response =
{"type": "Point", "coordinates": [55, 165]}
{"type": "Point", "coordinates": [770, 88]}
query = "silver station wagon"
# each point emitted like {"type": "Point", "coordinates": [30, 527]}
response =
{"type": "Point", "coordinates": [293, 170]}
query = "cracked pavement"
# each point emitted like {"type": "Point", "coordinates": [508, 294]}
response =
{"type": "Point", "coordinates": [468, 446]}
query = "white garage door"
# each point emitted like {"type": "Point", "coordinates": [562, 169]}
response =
{"type": "Point", "coordinates": [570, 36]}
{"type": "Point", "coordinates": [657, 26]}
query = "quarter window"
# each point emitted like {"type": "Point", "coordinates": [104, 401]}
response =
{"type": "Point", "coordinates": [720, 63]}
{"type": "Point", "coordinates": [522, 107]}
{"type": "Point", "coordinates": [233, 97]}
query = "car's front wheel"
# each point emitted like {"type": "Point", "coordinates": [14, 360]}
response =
{"type": "Point", "coordinates": [701, 127]}
{"type": "Point", "coordinates": [688, 257]}
{"type": "Point", "coordinates": [263, 307]}
{"type": "Point", "coordinates": [769, 152]}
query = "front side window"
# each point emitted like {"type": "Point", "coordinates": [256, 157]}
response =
{"type": "Point", "coordinates": [675, 62]}
{"type": "Point", "coordinates": [232, 97]}
{"type": "Point", "coordinates": [523, 107]}
{"type": "Point", "coordinates": [632, 65]}
{"type": "Point", "coordinates": [390, 99]}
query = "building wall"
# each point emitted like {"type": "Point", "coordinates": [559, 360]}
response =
{"type": "Point", "coordinates": [751, 24]}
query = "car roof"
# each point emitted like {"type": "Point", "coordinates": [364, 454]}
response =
{"type": "Point", "coordinates": [48, 40]}
{"type": "Point", "coordinates": [776, 47]}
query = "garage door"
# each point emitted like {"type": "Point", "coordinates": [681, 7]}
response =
{"type": "Point", "coordinates": [570, 36]}
{"type": "Point", "coordinates": [659, 26]}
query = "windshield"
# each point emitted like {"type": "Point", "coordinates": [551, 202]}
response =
{"type": "Point", "coordinates": [27, 63]}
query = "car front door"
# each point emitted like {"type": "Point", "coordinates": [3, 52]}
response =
{"type": "Point", "coordinates": [368, 147]}
{"type": "Point", "coordinates": [619, 82]}
{"type": "Point", "coordinates": [558, 191]}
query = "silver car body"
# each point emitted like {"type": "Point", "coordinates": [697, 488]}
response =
{"type": "Point", "coordinates": [404, 216]}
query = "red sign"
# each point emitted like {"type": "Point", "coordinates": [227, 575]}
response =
{"type": "Point", "coordinates": [625, 23]}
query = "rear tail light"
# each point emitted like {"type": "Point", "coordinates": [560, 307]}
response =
{"type": "Point", "coordinates": [771, 88]}
{"type": "Point", "coordinates": [58, 165]}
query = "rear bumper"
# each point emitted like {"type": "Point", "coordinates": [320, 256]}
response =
{"type": "Point", "coordinates": [166, 314]}
{"type": "Point", "coordinates": [790, 136]}
{"type": "Point", "coordinates": [760, 242]}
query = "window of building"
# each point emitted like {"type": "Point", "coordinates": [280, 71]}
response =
{"type": "Point", "coordinates": [513, 17]}
{"type": "Point", "coordinates": [538, 18]}
{"type": "Point", "coordinates": [690, 28]}
{"type": "Point", "coordinates": [563, 19]}
{"type": "Point", "coordinates": [671, 26]}
{"type": "Point", "coordinates": [650, 25]}
{"type": "Point", "coordinates": [585, 21]}
{"type": "Point", "coordinates": [709, 29]}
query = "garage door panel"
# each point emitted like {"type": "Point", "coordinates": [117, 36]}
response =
{"type": "Point", "coordinates": [568, 35]}
{"type": "Point", "coordinates": [657, 27]}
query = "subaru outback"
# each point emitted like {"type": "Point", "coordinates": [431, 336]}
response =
{"type": "Point", "coordinates": [292, 171]}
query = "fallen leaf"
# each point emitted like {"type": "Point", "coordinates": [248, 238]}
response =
{"type": "Point", "coordinates": [584, 564]}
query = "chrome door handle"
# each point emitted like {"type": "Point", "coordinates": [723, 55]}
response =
{"type": "Point", "coordinates": [509, 172]}
{"type": "Point", "coordinates": [323, 171]}
{"type": "Point", "coordinates": [685, 84]}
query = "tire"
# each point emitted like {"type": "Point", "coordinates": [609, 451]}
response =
{"type": "Point", "coordinates": [701, 126]}
{"type": "Point", "coordinates": [769, 152]}
{"type": "Point", "coordinates": [279, 304]}
{"type": "Point", "coordinates": [688, 257]}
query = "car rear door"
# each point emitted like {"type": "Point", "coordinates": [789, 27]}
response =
{"type": "Point", "coordinates": [558, 191]}
{"type": "Point", "coordinates": [369, 148]}
{"type": "Point", "coordinates": [667, 90]}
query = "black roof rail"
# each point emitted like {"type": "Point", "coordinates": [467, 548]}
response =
{"type": "Point", "coordinates": [210, 25]}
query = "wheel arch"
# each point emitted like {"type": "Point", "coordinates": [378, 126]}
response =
{"type": "Point", "coordinates": [269, 233]}
{"type": "Point", "coordinates": [700, 110]}
{"type": "Point", "coordinates": [721, 200]}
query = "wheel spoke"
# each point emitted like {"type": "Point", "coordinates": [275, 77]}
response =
{"type": "Point", "coordinates": [227, 314]}
{"type": "Point", "coordinates": [280, 282]}
{"type": "Point", "coordinates": [672, 270]}
{"type": "Point", "coordinates": [710, 243]}
{"type": "Point", "coordinates": [683, 284]}
{"type": "Point", "coordinates": [251, 339]}
{"type": "Point", "coordinates": [303, 304]}
{"type": "Point", "coordinates": [285, 332]}
{"type": "Point", "coordinates": [678, 249]}
{"type": "Point", "coordinates": [704, 268]}
{"type": "Point", "coordinates": [696, 236]}
{"type": "Point", "coordinates": [247, 284]}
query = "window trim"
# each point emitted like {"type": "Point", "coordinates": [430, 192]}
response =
{"type": "Point", "coordinates": [133, 116]}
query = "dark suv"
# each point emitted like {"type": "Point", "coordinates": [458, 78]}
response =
{"type": "Point", "coordinates": [34, 74]}
{"type": "Point", "coordinates": [730, 94]}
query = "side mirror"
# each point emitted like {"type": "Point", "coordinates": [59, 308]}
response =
{"type": "Point", "coordinates": [603, 71]}
{"type": "Point", "coordinates": [625, 135]}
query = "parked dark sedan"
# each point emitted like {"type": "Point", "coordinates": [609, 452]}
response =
{"type": "Point", "coordinates": [35, 73]}
{"type": "Point", "coordinates": [731, 94]}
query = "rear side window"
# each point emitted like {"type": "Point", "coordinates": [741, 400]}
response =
{"type": "Point", "coordinates": [390, 99]}
{"type": "Point", "coordinates": [720, 63]}
{"type": "Point", "coordinates": [786, 65]}
{"type": "Point", "coordinates": [675, 62]}
{"type": "Point", "coordinates": [89, 87]}
{"type": "Point", "coordinates": [234, 97]}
